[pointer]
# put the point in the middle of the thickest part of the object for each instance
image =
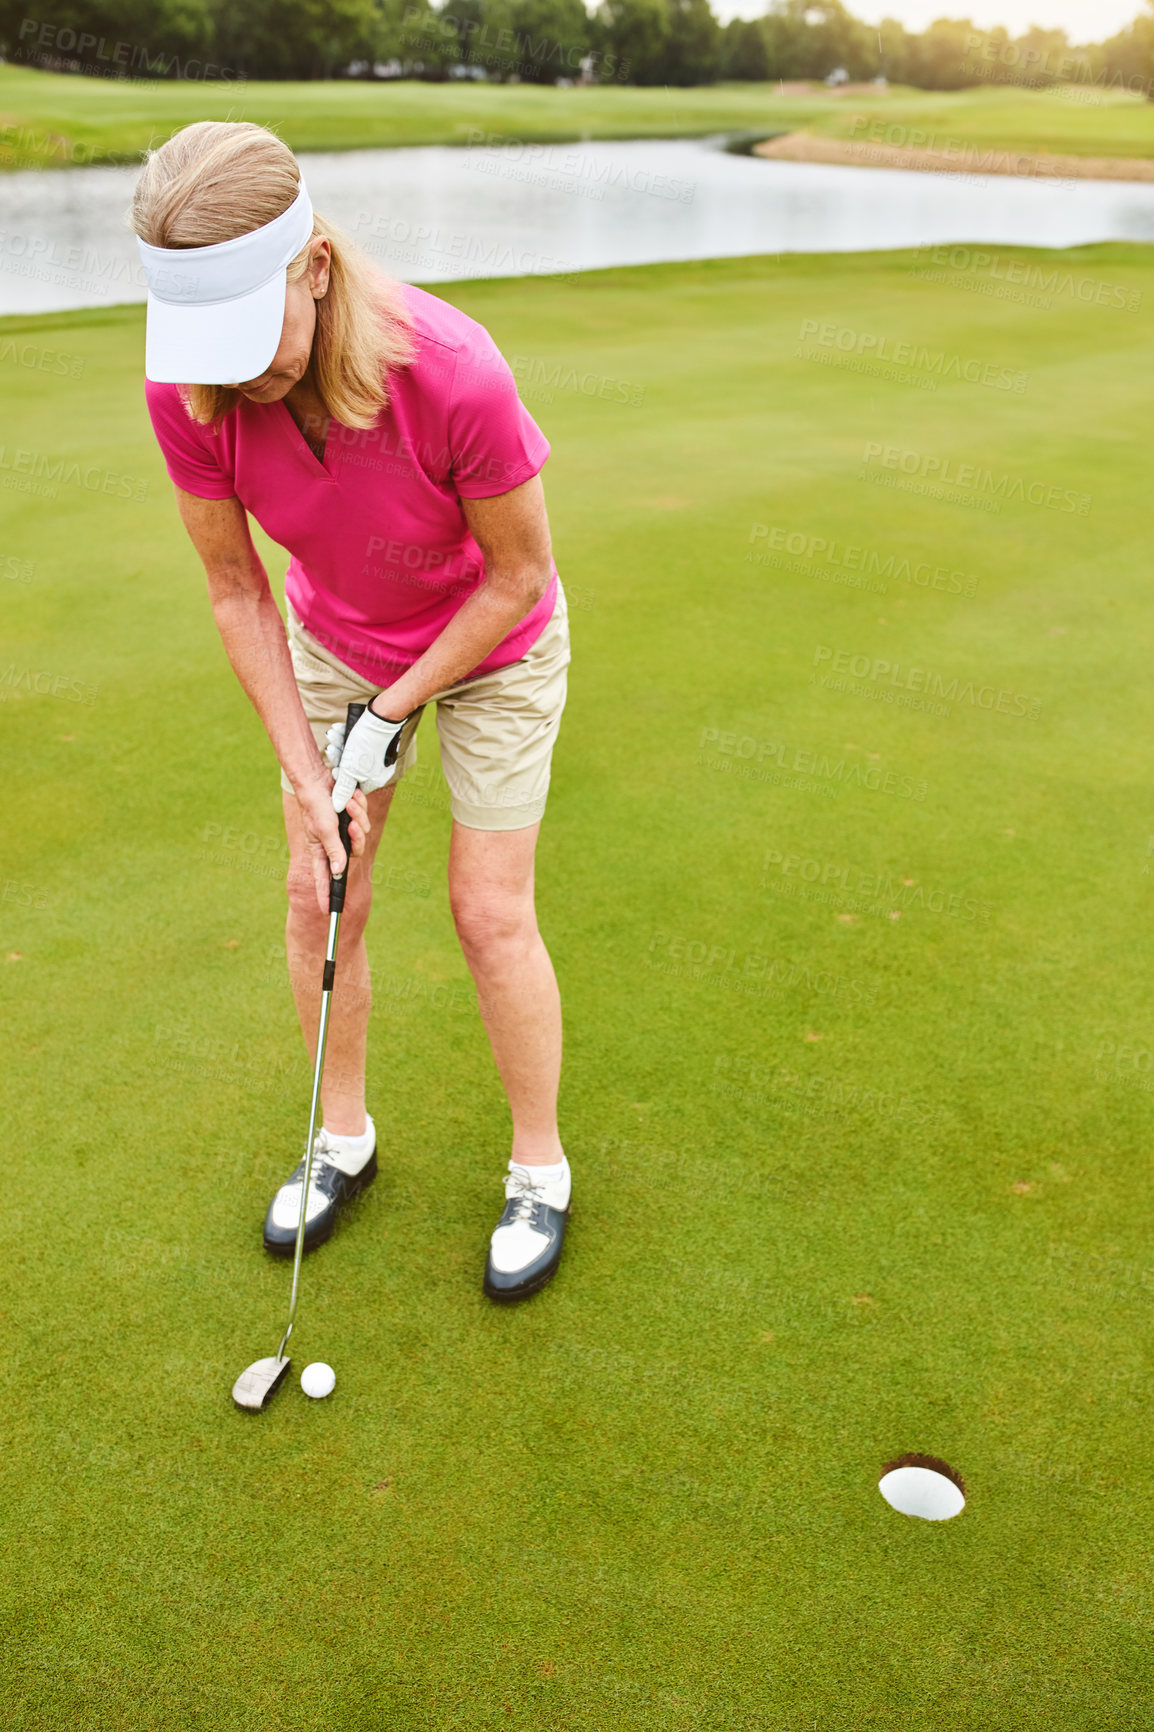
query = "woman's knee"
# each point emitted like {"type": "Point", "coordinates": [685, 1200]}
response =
{"type": "Point", "coordinates": [305, 907]}
{"type": "Point", "coordinates": [358, 906]}
{"type": "Point", "coordinates": [300, 885]}
{"type": "Point", "coordinates": [492, 923]}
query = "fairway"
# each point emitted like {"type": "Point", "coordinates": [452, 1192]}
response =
{"type": "Point", "coordinates": [847, 874]}
{"type": "Point", "coordinates": [1073, 119]}
{"type": "Point", "coordinates": [52, 120]}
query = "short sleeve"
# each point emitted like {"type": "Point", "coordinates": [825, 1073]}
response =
{"type": "Point", "coordinates": [494, 442]}
{"type": "Point", "coordinates": [187, 447]}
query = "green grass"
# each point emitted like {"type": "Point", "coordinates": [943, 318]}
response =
{"type": "Point", "coordinates": [57, 120]}
{"type": "Point", "coordinates": [647, 1499]}
{"type": "Point", "coordinates": [1072, 120]}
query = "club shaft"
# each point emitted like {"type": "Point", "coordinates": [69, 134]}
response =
{"type": "Point", "coordinates": [322, 1034]}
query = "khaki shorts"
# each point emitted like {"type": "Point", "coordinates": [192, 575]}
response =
{"type": "Point", "coordinates": [496, 730]}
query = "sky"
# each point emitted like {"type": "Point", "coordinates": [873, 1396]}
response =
{"type": "Point", "coordinates": [1082, 20]}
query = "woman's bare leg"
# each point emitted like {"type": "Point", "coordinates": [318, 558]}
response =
{"type": "Point", "coordinates": [306, 935]}
{"type": "Point", "coordinates": [491, 894]}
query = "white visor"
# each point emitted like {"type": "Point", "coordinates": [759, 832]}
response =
{"type": "Point", "coordinates": [215, 314]}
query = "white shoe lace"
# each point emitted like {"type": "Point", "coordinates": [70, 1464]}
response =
{"type": "Point", "coordinates": [523, 1194]}
{"type": "Point", "coordinates": [323, 1149]}
{"type": "Point", "coordinates": [322, 1152]}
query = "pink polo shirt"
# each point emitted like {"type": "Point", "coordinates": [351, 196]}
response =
{"type": "Point", "coordinates": [381, 557]}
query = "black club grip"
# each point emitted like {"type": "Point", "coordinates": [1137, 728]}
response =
{"type": "Point", "coordinates": [338, 881]}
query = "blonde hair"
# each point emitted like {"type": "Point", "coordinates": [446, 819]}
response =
{"type": "Point", "coordinates": [218, 179]}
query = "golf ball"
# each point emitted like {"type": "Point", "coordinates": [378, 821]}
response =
{"type": "Point", "coordinates": [318, 1380]}
{"type": "Point", "coordinates": [919, 1491]}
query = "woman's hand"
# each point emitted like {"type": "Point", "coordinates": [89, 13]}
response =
{"type": "Point", "coordinates": [323, 833]}
{"type": "Point", "coordinates": [367, 760]}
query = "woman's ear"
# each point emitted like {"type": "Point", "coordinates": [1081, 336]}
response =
{"type": "Point", "coordinates": [319, 263]}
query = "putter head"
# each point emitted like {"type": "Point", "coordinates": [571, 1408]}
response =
{"type": "Point", "coordinates": [255, 1388]}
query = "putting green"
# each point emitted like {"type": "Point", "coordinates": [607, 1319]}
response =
{"type": "Point", "coordinates": [857, 1086]}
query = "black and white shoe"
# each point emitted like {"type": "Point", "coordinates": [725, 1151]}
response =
{"type": "Point", "coordinates": [525, 1248]}
{"type": "Point", "coordinates": [331, 1186]}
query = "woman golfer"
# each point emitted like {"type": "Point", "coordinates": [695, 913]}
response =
{"type": "Point", "coordinates": [374, 432]}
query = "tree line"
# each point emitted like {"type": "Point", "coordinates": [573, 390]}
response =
{"type": "Point", "coordinates": [644, 42]}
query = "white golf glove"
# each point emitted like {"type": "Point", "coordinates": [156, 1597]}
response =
{"type": "Point", "coordinates": [368, 759]}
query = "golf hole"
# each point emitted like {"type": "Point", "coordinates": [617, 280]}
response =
{"type": "Point", "coordinates": [923, 1486]}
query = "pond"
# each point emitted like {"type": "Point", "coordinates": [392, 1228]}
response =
{"type": "Point", "coordinates": [440, 215]}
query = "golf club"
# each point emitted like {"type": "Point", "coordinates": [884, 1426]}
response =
{"type": "Point", "coordinates": [256, 1386]}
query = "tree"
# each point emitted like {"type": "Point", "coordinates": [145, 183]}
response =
{"type": "Point", "coordinates": [295, 38]}
{"type": "Point", "coordinates": [1042, 55]}
{"type": "Point", "coordinates": [473, 33]}
{"type": "Point", "coordinates": [648, 42]}
{"type": "Point", "coordinates": [552, 37]}
{"type": "Point", "coordinates": [812, 38]}
{"type": "Point", "coordinates": [424, 41]}
{"type": "Point", "coordinates": [894, 52]}
{"type": "Point", "coordinates": [691, 44]}
{"type": "Point", "coordinates": [1126, 61]}
{"type": "Point", "coordinates": [939, 56]}
{"type": "Point", "coordinates": [630, 38]}
{"type": "Point", "coordinates": [104, 38]}
{"type": "Point", "coordinates": [743, 51]}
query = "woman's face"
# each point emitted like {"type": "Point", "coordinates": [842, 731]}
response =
{"type": "Point", "coordinates": [291, 360]}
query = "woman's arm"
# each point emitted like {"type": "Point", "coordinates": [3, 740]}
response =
{"type": "Point", "coordinates": [253, 635]}
{"type": "Point", "coordinates": [512, 531]}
